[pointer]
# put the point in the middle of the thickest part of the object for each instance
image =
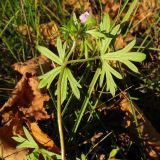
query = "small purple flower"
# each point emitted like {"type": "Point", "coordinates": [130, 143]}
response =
{"type": "Point", "coordinates": [83, 17]}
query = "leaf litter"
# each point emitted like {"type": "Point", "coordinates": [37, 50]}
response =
{"type": "Point", "coordinates": [26, 106]}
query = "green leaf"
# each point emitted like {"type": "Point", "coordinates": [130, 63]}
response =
{"type": "Point", "coordinates": [95, 33]}
{"type": "Point", "coordinates": [86, 101]}
{"type": "Point", "coordinates": [19, 138]}
{"type": "Point", "coordinates": [130, 65]}
{"type": "Point", "coordinates": [132, 56]}
{"type": "Point", "coordinates": [64, 86]}
{"type": "Point", "coordinates": [130, 10]}
{"type": "Point", "coordinates": [83, 157]}
{"type": "Point", "coordinates": [94, 80]}
{"type": "Point", "coordinates": [29, 137]}
{"type": "Point", "coordinates": [123, 54]}
{"type": "Point", "coordinates": [111, 86]}
{"type": "Point", "coordinates": [33, 156]}
{"type": "Point", "coordinates": [102, 75]}
{"type": "Point", "coordinates": [85, 49]}
{"type": "Point", "coordinates": [60, 48]}
{"type": "Point", "coordinates": [113, 153]}
{"type": "Point", "coordinates": [113, 71]}
{"type": "Point", "coordinates": [90, 21]}
{"type": "Point", "coordinates": [105, 23]}
{"type": "Point", "coordinates": [119, 53]}
{"type": "Point", "coordinates": [73, 83]}
{"type": "Point", "coordinates": [135, 56]}
{"type": "Point", "coordinates": [107, 40]}
{"type": "Point", "coordinates": [49, 153]}
{"type": "Point", "coordinates": [75, 20]}
{"type": "Point", "coordinates": [26, 144]}
{"type": "Point", "coordinates": [47, 78]}
{"type": "Point", "coordinates": [49, 54]}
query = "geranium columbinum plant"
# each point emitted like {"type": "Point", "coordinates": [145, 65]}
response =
{"type": "Point", "coordinates": [94, 45]}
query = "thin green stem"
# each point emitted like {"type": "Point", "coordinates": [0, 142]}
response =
{"type": "Point", "coordinates": [60, 127]}
{"type": "Point", "coordinates": [59, 116]}
{"type": "Point", "coordinates": [83, 60]}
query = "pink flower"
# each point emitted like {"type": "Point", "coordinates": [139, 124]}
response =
{"type": "Point", "coordinates": [83, 17]}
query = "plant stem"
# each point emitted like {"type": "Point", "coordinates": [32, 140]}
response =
{"type": "Point", "coordinates": [59, 116]}
{"type": "Point", "coordinates": [83, 60]}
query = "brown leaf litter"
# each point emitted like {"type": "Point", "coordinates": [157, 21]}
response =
{"type": "Point", "coordinates": [27, 102]}
{"type": "Point", "coordinates": [150, 137]}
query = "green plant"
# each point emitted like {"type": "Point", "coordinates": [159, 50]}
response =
{"type": "Point", "coordinates": [29, 142]}
{"type": "Point", "coordinates": [97, 44]}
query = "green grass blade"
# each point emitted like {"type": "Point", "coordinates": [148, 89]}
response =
{"type": "Point", "coordinates": [129, 12]}
{"type": "Point", "coordinates": [85, 102]}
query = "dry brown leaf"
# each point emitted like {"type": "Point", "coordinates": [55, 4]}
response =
{"type": "Point", "coordinates": [77, 5]}
{"type": "Point", "coordinates": [112, 8]}
{"type": "Point", "coordinates": [8, 149]}
{"type": "Point", "coordinates": [42, 138]}
{"type": "Point", "coordinates": [32, 66]}
{"type": "Point", "coordinates": [151, 137]}
{"type": "Point", "coordinates": [49, 31]}
{"type": "Point", "coordinates": [26, 100]}
{"type": "Point", "coordinates": [120, 43]}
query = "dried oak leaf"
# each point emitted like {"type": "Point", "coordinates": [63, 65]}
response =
{"type": "Point", "coordinates": [32, 66]}
{"type": "Point", "coordinates": [151, 138]}
{"type": "Point", "coordinates": [42, 138]}
{"type": "Point", "coordinates": [27, 99]}
{"type": "Point", "coordinates": [120, 42]}
{"type": "Point", "coordinates": [8, 150]}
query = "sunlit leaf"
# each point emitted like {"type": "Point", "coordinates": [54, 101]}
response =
{"type": "Point", "coordinates": [105, 23]}
{"type": "Point", "coordinates": [107, 40]}
{"type": "Point", "coordinates": [111, 86]}
{"type": "Point", "coordinates": [113, 153]}
{"type": "Point", "coordinates": [85, 49]}
{"type": "Point", "coordinates": [130, 65]}
{"type": "Point", "coordinates": [113, 71]}
{"type": "Point", "coordinates": [102, 75]}
{"type": "Point", "coordinates": [47, 78]}
{"type": "Point", "coordinates": [49, 153]}
{"type": "Point", "coordinates": [64, 86]}
{"type": "Point", "coordinates": [49, 54]}
{"type": "Point", "coordinates": [83, 157]}
{"type": "Point", "coordinates": [73, 83]}
{"type": "Point", "coordinates": [95, 33]}
{"type": "Point", "coordinates": [29, 137]}
{"type": "Point", "coordinates": [19, 138]}
{"type": "Point", "coordinates": [132, 56]}
{"type": "Point", "coordinates": [60, 48]}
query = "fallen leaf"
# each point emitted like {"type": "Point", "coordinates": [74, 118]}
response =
{"type": "Point", "coordinates": [8, 150]}
{"type": "Point", "coordinates": [42, 137]}
{"type": "Point", "coordinates": [26, 100]}
{"type": "Point", "coordinates": [33, 66]}
{"type": "Point", "coordinates": [120, 43]}
{"type": "Point", "coordinates": [112, 8]}
{"type": "Point", "coordinates": [150, 137]}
